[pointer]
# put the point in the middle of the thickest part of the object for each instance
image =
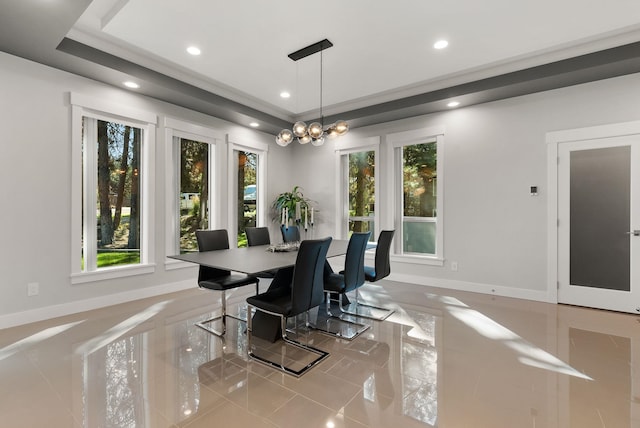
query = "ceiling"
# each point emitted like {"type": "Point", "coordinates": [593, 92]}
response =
{"type": "Point", "coordinates": [383, 65]}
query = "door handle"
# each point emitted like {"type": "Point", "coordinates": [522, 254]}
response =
{"type": "Point", "coordinates": [634, 233]}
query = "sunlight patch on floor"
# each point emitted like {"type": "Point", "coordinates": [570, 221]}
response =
{"type": "Point", "coordinates": [35, 338]}
{"type": "Point", "coordinates": [529, 354]}
{"type": "Point", "coordinates": [120, 329]}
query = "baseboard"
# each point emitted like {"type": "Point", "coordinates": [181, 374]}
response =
{"type": "Point", "coordinates": [475, 287]}
{"type": "Point", "coordinates": [54, 311]}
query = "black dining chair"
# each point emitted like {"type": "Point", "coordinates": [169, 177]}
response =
{"type": "Point", "coordinates": [219, 279]}
{"type": "Point", "coordinates": [347, 280]}
{"type": "Point", "coordinates": [304, 292]}
{"type": "Point", "coordinates": [381, 270]}
{"type": "Point", "coordinates": [382, 264]}
{"type": "Point", "coordinates": [259, 236]}
{"type": "Point", "coordinates": [290, 233]}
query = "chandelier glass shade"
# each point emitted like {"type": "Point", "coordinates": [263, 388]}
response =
{"type": "Point", "coordinates": [315, 133]}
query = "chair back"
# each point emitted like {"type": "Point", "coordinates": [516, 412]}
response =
{"type": "Point", "coordinates": [290, 233]}
{"type": "Point", "coordinates": [212, 240]}
{"type": "Point", "coordinates": [382, 263]}
{"type": "Point", "coordinates": [307, 287]}
{"type": "Point", "coordinates": [257, 236]}
{"type": "Point", "coordinates": [354, 260]}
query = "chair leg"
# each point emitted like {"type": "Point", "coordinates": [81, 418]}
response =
{"type": "Point", "coordinates": [280, 366]}
{"type": "Point", "coordinates": [223, 317]}
{"type": "Point", "coordinates": [359, 328]}
{"type": "Point", "coordinates": [329, 304]}
{"type": "Point", "coordinates": [368, 315]}
{"type": "Point", "coordinates": [249, 328]}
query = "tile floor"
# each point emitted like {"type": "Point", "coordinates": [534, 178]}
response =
{"type": "Point", "coordinates": [444, 359]}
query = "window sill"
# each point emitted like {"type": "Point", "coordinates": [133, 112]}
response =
{"type": "Point", "coordinates": [111, 273]}
{"type": "Point", "coordinates": [418, 260]}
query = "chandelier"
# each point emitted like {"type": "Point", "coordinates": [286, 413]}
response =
{"type": "Point", "coordinates": [315, 133]}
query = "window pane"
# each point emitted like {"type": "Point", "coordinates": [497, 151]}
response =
{"type": "Point", "coordinates": [118, 194]}
{"type": "Point", "coordinates": [361, 191]}
{"type": "Point", "coordinates": [247, 193]}
{"type": "Point", "coordinates": [362, 225]}
{"type": "Point", "coordinates": [418, 237]}
{"type": "Point", "coordinates": [194, 192]}
{"type": "Point", "coordinates": [419, 195]}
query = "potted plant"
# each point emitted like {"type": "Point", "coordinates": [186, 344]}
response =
{"type": "Point", "coordinates": [294, 206]}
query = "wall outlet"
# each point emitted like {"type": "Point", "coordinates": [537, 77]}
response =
{"type": "Point", "coordinates": [33, 289]}
{"type": "Point", "coordinates": [454, 266]}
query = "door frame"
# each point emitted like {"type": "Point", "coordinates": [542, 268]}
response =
{"type": "Point", "coordinates": [553, 140]}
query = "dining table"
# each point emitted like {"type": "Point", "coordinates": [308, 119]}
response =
{"type": "Point", "coordinates": [256, 259]}
{"type": "Point", "coordinates": [252, 261]}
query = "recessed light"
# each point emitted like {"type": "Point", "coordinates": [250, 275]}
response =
{"type": "Point", "coordinates": [453, 104]}
{"type": "Point", "coordinates": [131, 84]}
{"type": "Point", "coordinates": [254, 124]}
{"type": "Point", "coordinates": [440, 44]}
{"type": "Point", "coordinates": [194, 50]}
{"type": "Point", "coordinates": [285, 94]}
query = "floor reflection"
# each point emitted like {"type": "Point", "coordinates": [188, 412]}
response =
{"type": "Point", "coordinates": [419, 368]}
{"type": "Point", "coordinates": [115, 384]}
{"type": "Point", "coordinates": [444, 359]}
{"type": "Point", "coordinates": [613, 371]}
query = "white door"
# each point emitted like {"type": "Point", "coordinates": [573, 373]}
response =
{"type": "Point", "coordinates": [599, 223]}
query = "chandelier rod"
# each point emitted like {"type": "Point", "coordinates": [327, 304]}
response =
{"type": "Point", "coordinates": [321, 116]}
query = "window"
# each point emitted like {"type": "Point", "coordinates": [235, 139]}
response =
{"type": "Point", "coordinates": [193, 198]}
{"type": "Point", "coordinates": [191, 192]}
{"type": "Point", "coordinates": [113, 150]}
{"type": "Point", "coordinates": [110, 191]}
{"type": "Point", "coordinates": [247, 193]}
{"type": "Point", "coordinates": [418, 160]}
{"type": "Point", "coordinates": [247, 181]}
{"type": "Point", "coordinates": [357, 190]}
{"type": "Point", "coordinates": [419, 216]}
{"type": "Point", "coordinates": [362, 194]}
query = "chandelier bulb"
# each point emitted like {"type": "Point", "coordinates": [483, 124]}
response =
{"type": "Point", "coordinates": [304, 139]}
{"type": "Point", "coordinates": [299, 129]}
{"type": "Point", "coordinates": [315, 130]}
{"type": "Point", "coordinates": [284, 138]}
{"type": "Point", "coordinates": [342, 127]}
{"type": "Point", "coordinates": [318, 141]}
{"type": "Point", "coordinates": [331, 131]}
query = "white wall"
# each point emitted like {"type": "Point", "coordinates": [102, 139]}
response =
{"type": "Point", "coordinates": [35, 177]}
{"type": "Point", "coordinates": [493, 153]}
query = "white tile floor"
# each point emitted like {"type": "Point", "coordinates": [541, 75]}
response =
{"type": "Point", "coordinates": [445, 359]}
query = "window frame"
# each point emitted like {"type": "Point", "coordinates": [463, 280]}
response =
{"type": "Point", "coordinates": [396, 142]}
{"type": "Point", "coordinates": [175, 130]}
{"type": "Point", "coordinates": [261, 150]}
{"type": "Point", "coordinates": [342, 192]}
{"type": "Point", "coordinates": [81, 178]}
